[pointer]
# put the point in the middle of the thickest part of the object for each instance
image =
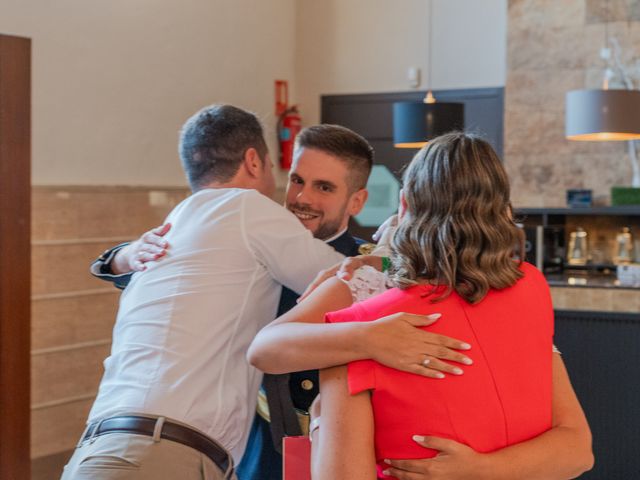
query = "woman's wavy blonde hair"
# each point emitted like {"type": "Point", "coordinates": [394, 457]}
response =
{"type": "Point", "coordinates": [457, 230]}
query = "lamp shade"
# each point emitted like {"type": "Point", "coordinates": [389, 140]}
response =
{"type": "Point", "coordinates": [602, 115]}
{"type": "Point", "coordinates": [416, 123]}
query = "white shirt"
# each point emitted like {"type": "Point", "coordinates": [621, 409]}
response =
{"type": "Point", "coordinates": [185, 324]}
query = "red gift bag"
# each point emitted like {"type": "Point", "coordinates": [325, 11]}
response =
{"type": "Point", "coordinates": [296, 458]}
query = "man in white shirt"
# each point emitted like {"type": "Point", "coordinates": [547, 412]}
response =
{"type": "Point", "coordinates": [177, 369]}
{"type": "Point", "coordinates": [327, 186]}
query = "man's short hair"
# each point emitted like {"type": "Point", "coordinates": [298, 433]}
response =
{"type": "Point", "coordinates": [344, 144]}
{"type": "Point", "coordinates": [213, 143]}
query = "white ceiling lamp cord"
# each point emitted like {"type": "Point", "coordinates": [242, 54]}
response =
{"type": "Point", "coordinates": [429, 98]}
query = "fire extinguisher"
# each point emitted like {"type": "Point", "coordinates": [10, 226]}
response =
{"type": "Point", "coordinates": [289, 123]}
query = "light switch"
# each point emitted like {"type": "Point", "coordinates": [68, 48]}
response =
{"type": "Point", "coordinates": [413, 75]}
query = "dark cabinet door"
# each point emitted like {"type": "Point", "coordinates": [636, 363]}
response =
{"type": "Point", "coordinates": [602, 354]}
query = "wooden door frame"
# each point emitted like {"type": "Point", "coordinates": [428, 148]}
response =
{"type": "Point", "coordinates": [15, 256]}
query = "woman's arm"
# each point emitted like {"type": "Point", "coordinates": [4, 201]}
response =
{"type": "Point", "coordinates": [561, 453]}
{"type": "Point", "coordinates": [300, 340]}
{"type": "Point", "coordinates": [343, 447]}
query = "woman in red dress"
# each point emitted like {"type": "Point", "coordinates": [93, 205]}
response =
{"type": "Point", "coordinates": [453, 254]}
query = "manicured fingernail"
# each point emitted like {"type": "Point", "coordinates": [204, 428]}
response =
{"type": "Point", "coordinates": [439, 375]}
{"type": "Point", "coordinates": [458, 371]}
{"type": "Point", "coordinates": [386, 472]}
{"type": "Point", "coordinates": [467, 361]}
{"type": "Point", "coordinates": [434, 316]}
{"type": "Point", "coordinates": [418, 438]}
{"type": "Point", "coordinates": [465, 346]}
{"type": "Point", "coordinates": [387, 461]}
{"type": "Point", "coordinates": [374, 236]}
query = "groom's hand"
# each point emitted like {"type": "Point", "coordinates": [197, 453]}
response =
{"type": "Point", "coordinates": [150, 246]}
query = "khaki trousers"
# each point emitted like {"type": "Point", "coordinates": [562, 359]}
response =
{"type": "Point", "coordinates": [124, 456]}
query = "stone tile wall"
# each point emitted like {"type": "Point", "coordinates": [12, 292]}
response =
{"type": "Point", "coordinates": [72, 312]}
{"type": "Point", "coordinates": [596, 299]}
{"type": "Point", "coordinates": [553, 47]}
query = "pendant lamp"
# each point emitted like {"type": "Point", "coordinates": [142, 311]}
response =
{"type": "Point", "coordinates": [416, 123]}
{"type": "Point", "coordinates": [603, 114]}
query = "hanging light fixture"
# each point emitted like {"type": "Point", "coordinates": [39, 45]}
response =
{"type": "Point", "coordinates": [416, 123]}
{"type": "Point", "coordinates": [603, 114]}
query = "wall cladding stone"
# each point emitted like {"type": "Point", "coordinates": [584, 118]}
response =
{"type": "Point", "coordinates": [72, 312]}
{"type": "Point", "coordinates": [553, 47]}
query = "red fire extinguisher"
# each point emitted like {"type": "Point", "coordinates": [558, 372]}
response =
{"type": "Point", "coordinates": [289, 123]}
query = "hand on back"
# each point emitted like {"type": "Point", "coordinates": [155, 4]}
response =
{"type": "Point", "coordinates": [150, 246]}
{"type": "Point", "coordinates": [397, 341]}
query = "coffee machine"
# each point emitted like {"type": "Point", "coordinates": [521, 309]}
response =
{"type": "Point", "coordinates": [545, 247]}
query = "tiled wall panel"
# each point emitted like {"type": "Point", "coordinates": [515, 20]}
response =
{"type": "Point", "coordinates": [57, 428]}
{"type": "Point", "coordinates": [598, 299]}
{"type": "Point", "coordinates": [99, 212]}
{"type": "Point", "coordinates": [65, 374]}
{"type": "Point", "coordinates": [72, 312]}
{"type": "Point", "coordinates": [58, 322]}
{"type": "Point", "coordinates": [553, 47]}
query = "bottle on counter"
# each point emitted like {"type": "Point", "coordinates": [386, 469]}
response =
{"type": "Point", "coordinates": [578, 247]}
{"type": "Point", "coordinates": [624, 247]}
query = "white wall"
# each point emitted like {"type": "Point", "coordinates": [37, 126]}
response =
{"type": "Point", "coordinates": [358, 46]}
{"type": "Point", "coordinates": [113, 81]}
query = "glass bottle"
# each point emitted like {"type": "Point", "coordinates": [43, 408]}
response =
{"type": "Point", "coordinates": [624, 247]}
{"type": "Point", "coordinates": [578, 248]}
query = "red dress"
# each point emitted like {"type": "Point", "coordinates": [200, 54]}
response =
{"type": "Point", "coordinates": [502, 399]}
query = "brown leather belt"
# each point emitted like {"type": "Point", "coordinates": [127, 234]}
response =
{"type": "Point", "coordinates": [174, 432]}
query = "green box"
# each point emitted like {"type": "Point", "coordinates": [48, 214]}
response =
{"type": "Point", "coordinates": [625, 196]}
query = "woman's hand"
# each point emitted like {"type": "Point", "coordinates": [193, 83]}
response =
{"type": "Point", "coordinates": [397, 341]}
{"type": "Point", "coordinates": [384, 232]}
{"type": "Point", "coordinates": [455, 461]}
